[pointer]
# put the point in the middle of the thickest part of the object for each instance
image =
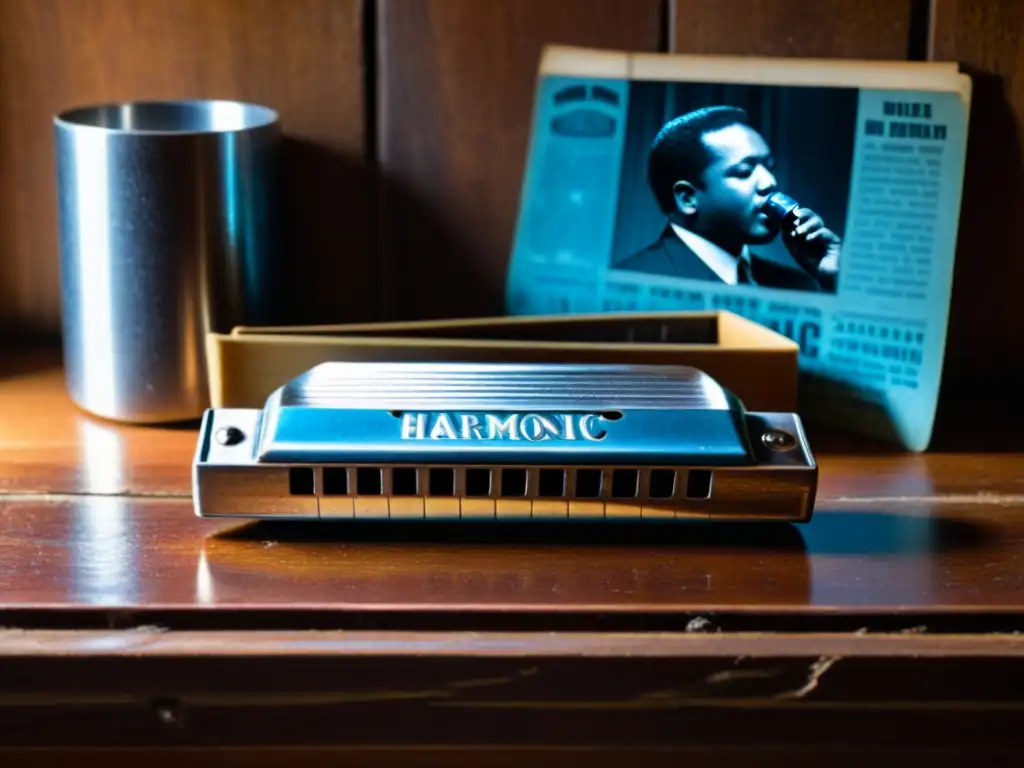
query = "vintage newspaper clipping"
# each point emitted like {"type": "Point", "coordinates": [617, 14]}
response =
{"type": "Point", "coordinates": [819, 198]}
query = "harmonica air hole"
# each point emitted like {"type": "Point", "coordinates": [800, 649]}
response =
{"type": "Point", "coordinates": [624, 483]}
{"type": "Point", "coordinates": [611, 415]}
{"type": "Point", "coordinates": [369, 481]}
{"type": "Point", "coordinates": [335, 481]}
{"type": "Point", "coordinates": [396, 414]}
{"type": "Point", "coordinates": [588, 483]}
{"type": "Point", "coordinates": [300, 481]}
{"type": "Point", "coordinates": [552, 482]}
{"type": "Point", "coordinates": [403, 481]}
{"type": "Point", "coordinates": [698, 484]}
{"type": "Point", "coordinates": [513, 482]}
{"type": "Point", "coordinates": [442, 481]}
{"type": "Point", "coordinates": [663, 484]}
{"type": "Point", "coordinates": [478, 482]}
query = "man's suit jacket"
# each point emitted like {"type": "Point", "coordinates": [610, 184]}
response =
{"type": "Point", "coordinates": [669, 255]}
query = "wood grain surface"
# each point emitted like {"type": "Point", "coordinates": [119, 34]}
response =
{"type": "Point", "coordinates": [870, 29]}
{"type": "Point", "coordinates": [455, 89]}
{"type": "Point", "coordinates": [99, 514]}
{"type": "Point", "coordinates": [789, 755]}
{"type": "Point", "coordinates": [860, 557]}
{"type": "Point", "coordinates": [301, 57]}
{"type": "Point", "coordinates": [129, 622]}
{"type": "Point", "coordinates": [47, 445]}
{"type": "Point", "coordinates": [717, 692]}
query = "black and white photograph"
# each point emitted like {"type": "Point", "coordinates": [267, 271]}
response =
{"type": "Point", "coordinates": [736, 184]}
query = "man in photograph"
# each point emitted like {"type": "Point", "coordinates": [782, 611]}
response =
{"type": "Point", "coordinates": [711, 173]}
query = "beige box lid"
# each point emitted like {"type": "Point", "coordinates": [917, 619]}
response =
{"type": "Point", "coordinates": [759, 365]}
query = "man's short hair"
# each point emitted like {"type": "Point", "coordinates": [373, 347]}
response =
{"type": "Point", "coordinates": [678, 152]}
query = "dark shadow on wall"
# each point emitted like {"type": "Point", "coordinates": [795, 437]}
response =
{"type": "Point", "coordinates": [428, 268]}
{"type": "Point", "coordinates": [325, 205]}
{"type": "Point", "coordinates": [983, 374]}
{"type": "Point", "coordinates": [26, 352]}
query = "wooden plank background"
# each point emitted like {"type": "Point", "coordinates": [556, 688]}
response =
{"type": "Point", "coordinates": [861, 29]}
{"type": "Point", "coordinates": [407, 124]}
{"type": "Point", "coordinates": [986, 331]}
{"type": "Point", "coordinates": [456, 92]}
{"type": "Point", "coordinates": [302, 57]}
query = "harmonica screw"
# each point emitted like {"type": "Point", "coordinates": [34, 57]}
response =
{"type": "Point", "coordinates": [229, 436]}
{"type": "Point", "coordinates": [778, 440]}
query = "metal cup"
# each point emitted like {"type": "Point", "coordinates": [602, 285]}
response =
{"type": "Point", "coordinates": [166, 232]}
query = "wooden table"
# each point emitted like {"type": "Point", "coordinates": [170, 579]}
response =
{"type": "Point", "coordinates": [889, 623]}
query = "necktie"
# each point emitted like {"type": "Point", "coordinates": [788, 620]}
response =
{"type": "Point", "coordinates": [743, 273]}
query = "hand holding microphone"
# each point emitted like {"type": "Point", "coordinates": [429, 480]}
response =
{"type": "Point", "coordinates": [815, 247]}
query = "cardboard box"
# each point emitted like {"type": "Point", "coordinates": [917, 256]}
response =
{"type": "Point", "coordinates": [757, 364]}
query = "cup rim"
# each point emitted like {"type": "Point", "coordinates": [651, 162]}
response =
{"type": "Point", "coordinates": [75, 117]}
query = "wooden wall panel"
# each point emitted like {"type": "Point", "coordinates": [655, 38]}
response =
{"type": "Point", "coordinates": [823, 28]}
{"type": "Point", "coordinates": [303, 57]}
{"type": "Point", "coordinates": [986, 334]}
{"type": "Point", "coordinates": [456, 85]}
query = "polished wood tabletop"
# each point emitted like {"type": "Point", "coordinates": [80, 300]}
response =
{"type": "Point", "coordinates": [99, 515]}
{"type": "Point", "coordinates": [908, 558]}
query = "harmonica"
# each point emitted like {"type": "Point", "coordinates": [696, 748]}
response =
{"type": "Point", "coordinates": [503, 441]}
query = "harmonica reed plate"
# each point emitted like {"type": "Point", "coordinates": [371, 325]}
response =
{"type": "Point", "coordinates": [503, 442]}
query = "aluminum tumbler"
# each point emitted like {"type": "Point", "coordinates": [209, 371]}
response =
{"type": "Point", "coordinates": [166, 229]}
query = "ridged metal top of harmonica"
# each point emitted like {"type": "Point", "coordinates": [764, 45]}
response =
{"type": "Point", "coordinates": [473, 413]}
{"type": "Point", "coordinates": [504, 386]}
{"type": "Point", "coordinates": [503, 441]}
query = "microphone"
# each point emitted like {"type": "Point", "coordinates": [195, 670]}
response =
{"type": "Point", "coordinates": [780, 208]}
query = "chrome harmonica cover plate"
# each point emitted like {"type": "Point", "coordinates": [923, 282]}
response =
{"type": "Point", "coordinates": [553, 427]}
